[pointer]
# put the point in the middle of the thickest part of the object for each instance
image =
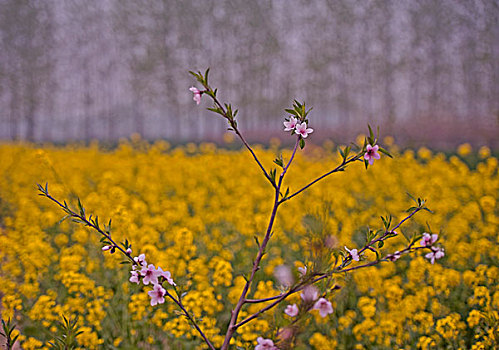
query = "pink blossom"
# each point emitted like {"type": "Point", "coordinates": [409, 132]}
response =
{"type": "Point", "coordinates": [291, 124]}
{"type": "Point", "coordinates": [197, 94]}
{"type": "Point", "coordinates": [428, 239]}
{"type": "Point", "coordinates": [135, 277]}
{"type": "Point", "coordinates": [309, 293]}
{"type": "Point", "coordinates": [395, 256]}
{"type": "Point", "coordinates": [353, 253]}
{"type": "Point", "coordinates": [129, 251]}
{"type": "Point", "coordinates": [324, 307]}
{"type": "Point", "coordinates": [265, 344]}
{"type": "Point", "coordinates": [283, 274]}
{"type": "Point", "coordinates": [302, 130]}
{"type": "Point", "coordinates": [106, 247]}
{"type": "Point", "coordinates": [302, 270]}
{"type": "Point", "coordinates": [436, 253]}
{"type": "Point", "coordinates": [371, 154]}
{"type": "Point", "coordinates": [166, 275]}
{"type": "Point", "coordinates": [291, 310]}
{"type": "Point", "coordinates": [286, 333]}
{"type": "Point", "coordinates": [150, 274]}
{"type": "Point", "coordinates": [157, 295]}
{"type": "Point", "coordinates": [140, 260]}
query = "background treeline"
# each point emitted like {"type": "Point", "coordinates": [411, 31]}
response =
{"type": "Point", "coordinates": [425, 70]}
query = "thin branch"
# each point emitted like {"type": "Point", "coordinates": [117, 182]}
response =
{"type": "Point", "coordinates": [88, 223]}
{"type": "Point", "coordinates": [407, 218]}
{"type": "Point", "coordinates": [278, 298]}
{"type": "Point", "coordinates": [98, 229]}
{"type": "Point", "coordinates": [266, 308]}
{"type": "Point", "coordinates": [238, 133]}
{"type": "Point", "coordinates": [292, 156]}
{"type": "Point", "coordinates": [338, 168]}
{"type": "Point", "coordinates": [263, 300]}
{"type": "Point", "coordinates": [189, 317]}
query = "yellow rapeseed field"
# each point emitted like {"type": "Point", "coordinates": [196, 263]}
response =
{"type": "Point", "coordinates": [195, 209]}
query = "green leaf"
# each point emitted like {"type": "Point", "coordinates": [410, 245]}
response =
{"type": "Point", "coordinates": [64, 218]}
{"type": "Point", "coordinates": [302, 143]}
{"type": "Point", "coordinates": [381, 244]}
{"type": "Point", "coordinates": [347, 151]}
{"type": "Point", "coordinates": [371, 135]}
{"type": "Point", "coordinates": [206, 76]}
{"type": "Point", "coordinates": [406, 236]}
{"type": "Point", "coordinates": [82, 209]}
{"type": "Point", "coordinates": [411, 197]}
{"type": "Point", "coordinates": [384, 221]}
{"type": "Point", "coordinates": [257, 241]}
{"type": "Point", "coordinates": [382, 150]}
{"type": "Point", "coordinates": [279, 161]}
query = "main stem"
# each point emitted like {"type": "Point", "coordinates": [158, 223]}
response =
{"type": "Point", "coordinates": [256, 263]}
{"type": "Point", "coordinates": [256, 266]}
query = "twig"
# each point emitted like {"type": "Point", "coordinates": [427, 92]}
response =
{"type": "Point", "coordinates": [82, 218]}
{"type": "Point", "coordinates": [238, 133]}
{"type": "Point", "coordinates": [338, 168]}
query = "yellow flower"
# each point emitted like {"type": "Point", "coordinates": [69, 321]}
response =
{"type": "Point", "coordinates": [464, 149]}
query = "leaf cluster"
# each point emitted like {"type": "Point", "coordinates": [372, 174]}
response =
{"type": "Point", "coordinates": [67, 331]}
{"type": "Point", "coordinates": [7, 330]}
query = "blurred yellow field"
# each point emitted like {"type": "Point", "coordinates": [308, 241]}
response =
{"type": "Point", "coordinates": [195, 209]}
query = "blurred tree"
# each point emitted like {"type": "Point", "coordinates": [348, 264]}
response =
{"type": "Point", "coordinates": [27, 61]}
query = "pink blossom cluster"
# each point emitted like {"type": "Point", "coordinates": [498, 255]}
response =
{"type": "Point", "coordinates": [293, 124]}
{"type": "Point", "coordinates": [151, 275]}
{"type": "Point", "coordinates": [436, 252]}
{"type": "Point", "coordinates": [311, 295]}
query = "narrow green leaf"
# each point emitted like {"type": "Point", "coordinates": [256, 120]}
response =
{"type": "Point", "coordinates": [411, 197]}
{"type": "Point", "coordinates": [206, 76]}
{"type": "Point", "coordinates": [385, 152]}
{"type": "Point", "coordinates": [406, 236]}
{"type": "Point", "coordinates": [371, 134]}
{"type": "Point", "coordinates": [64, 218]}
